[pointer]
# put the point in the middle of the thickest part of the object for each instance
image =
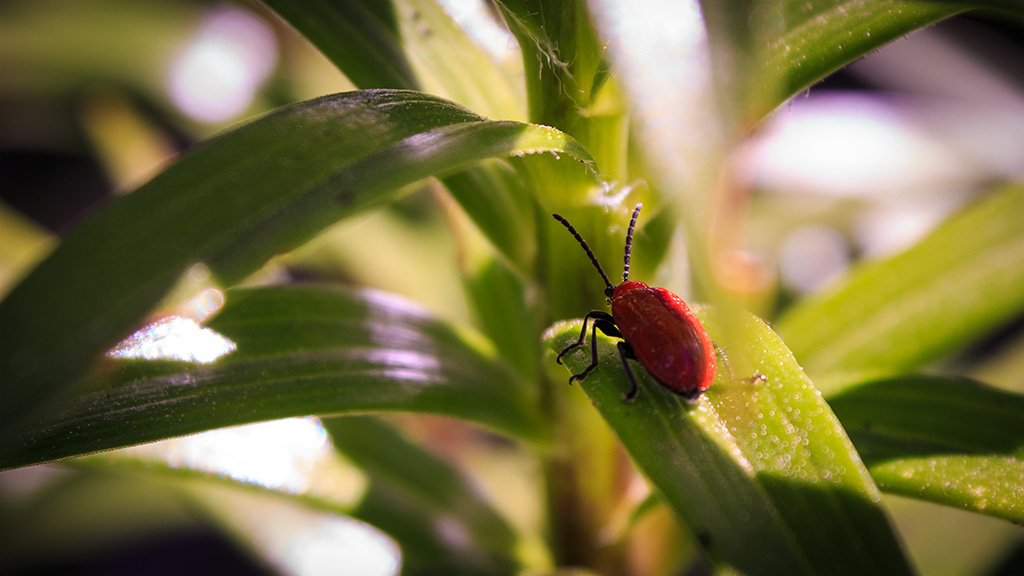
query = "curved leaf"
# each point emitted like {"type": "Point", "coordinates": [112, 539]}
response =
{"type": "Point", "coordinates": [950, 441]}
{"type": "Point", "coordinates": [299, 351]}
{"type": "Point", "coordinates": [233, 203]}
{"type": "Point", "coordinates": [798, 43]}
{"type": "Point", "coordinates": [405, 44]}
{"type": "Point", "coordinates": [761, 471]}
{"type": "Point", "coordinates": [953, 286]}
{"type": "Point", "coordinates": [766, 53]}
{"type": "Point", "coordinates": [420, 37]}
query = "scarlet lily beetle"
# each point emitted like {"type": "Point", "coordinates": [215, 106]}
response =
{"type": "Point", "coordinates": [657, 328]}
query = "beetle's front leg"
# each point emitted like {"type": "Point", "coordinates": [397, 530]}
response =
{"type": "Point", "coordinates": [596, 315]}
{"type": "Point", "coordinates": [603, 322]}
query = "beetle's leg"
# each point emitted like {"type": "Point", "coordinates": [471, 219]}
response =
{"type": "Point", "coordinates": [596, 315]}
{"type": "Point", "coordinates": [606, 325]}
{"type": "Point", "coordinates": [626, 352]}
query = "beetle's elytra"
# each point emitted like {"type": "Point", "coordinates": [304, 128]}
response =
{"type": "Point", "coordinates": [657, 329]}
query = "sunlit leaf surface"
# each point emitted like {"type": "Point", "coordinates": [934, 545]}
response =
{"type": "Point", "coordinates": [299, 351]}
{"type": "Point", "coordinates": [761, 471]}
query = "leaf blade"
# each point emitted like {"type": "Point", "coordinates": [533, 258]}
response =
{"type": "Point", "coordinates": [766, 54]}
{"type": "Point", "coordinates": [764, 473]}
{"type": "Point", "coordinates": [360, 38]}
{"type": "Point", "coordinates": [919, 305]}
{"type": "Point", "coordinates": [945, 440]}
{"type": "Point", "coordinates": [233, 203]}
{"type": "Point", "coordinates": [821, 37]}
{"type": "Point", "coordinates": [300, 351]}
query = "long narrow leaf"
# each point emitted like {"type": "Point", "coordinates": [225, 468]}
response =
{"type": "Point", "coordinates": [405, 44]}
{"type": "Point", "coordinates": [954, 442]}
{"type": "Point", "coordinates": [500, 203]}
{"type": "Point", "coordinates": [505, 314]}
{"type": "Point", "coordinates": [300, 351]}
{"type": "Point", "coordinates": [770, 53]}
{"type": "Point", "coordinates": [361, 38]}
{"type": "Point", "coordinates": [233, 203]}
{"type": "Point", "coordinates": [766, 53]}
{"type": "Point", "coordinates": [961, 281]}
{"type": "Point", "coordinates": [420, 37]}
{"type": "Point", "coordinates": [761, 471]}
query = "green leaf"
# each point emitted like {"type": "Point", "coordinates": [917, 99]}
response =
{"type": "Point", "coordinates": [410, 44]}
{"type": "Point", "coordinates": [767, 52]}
{"type": "Point", "coordinates": [499, 300]}
{"type": "Point", "coordinates": [761, 471]}
{"type": "Point", "coordinates": [951, 441]}
{"type": "Point", "coordinates": [502, 206]}
{"type": "Point", "coordinates": [232, 203]}
{"type": "Point", "coordinates": [288, 459]}
{"type": "Point", "coordinates": [433, 52]}
{"type": "Point", "coordinates": [361, 38]}
{"type": "Point", "coordinates": [383, 479]}
{"type": "Point", "coordinates": [802, 42]}
{"type": "Point", "coordinates": [955, 285]}
{"type": "Point", "coordinates": [412, 493]}
{"type": "Point", "coordinates": [300, 351]}
{"type": "Point", "coordinates": [450, 64]}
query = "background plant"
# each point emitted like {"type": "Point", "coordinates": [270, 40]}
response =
{"type": "Point", "coordinates": [602, 109]}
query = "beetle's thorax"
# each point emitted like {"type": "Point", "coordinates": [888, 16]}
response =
{"type": "Point", "coordinates": [628, 286]}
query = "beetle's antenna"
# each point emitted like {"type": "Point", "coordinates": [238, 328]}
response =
{"type": "Point", "coordinates": [608, 291]}
{"type": "Point", "coordinates": [629, 241]}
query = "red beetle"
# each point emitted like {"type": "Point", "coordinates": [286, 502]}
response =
{"type": "Point", "coordinates": [658, 329]}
